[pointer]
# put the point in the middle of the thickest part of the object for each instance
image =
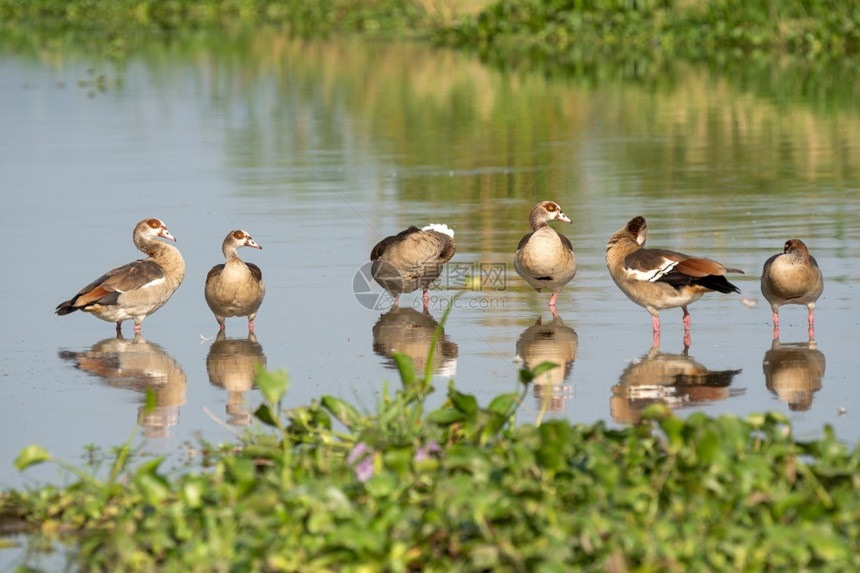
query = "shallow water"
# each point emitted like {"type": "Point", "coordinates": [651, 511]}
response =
{"type": "Point", "coordinates": [320, 149]}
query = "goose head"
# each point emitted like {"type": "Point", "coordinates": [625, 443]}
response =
{"type": "Point", "coordinates": [546, 211]}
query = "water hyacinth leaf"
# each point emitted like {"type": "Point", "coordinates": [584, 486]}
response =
{"type": "Point", "coordinates": [503, 404]}
{"type": "Point", "coordinates": [465, 403]}
{"type": "Point", "coordinates": [526, 376]}
{"type": "Point", "coordinates": [153, 486]}
{"type": "Point", "coordinates": [381, 486]}
{"type": "Point", "coordinates": [345, 413]}
{"type": "Point", "coordinates": [446, 417]}
{"type": "Point", "coordinates": [308, 418]}
{"type": "Point", "coordinates": [243, 473]}
{"type": "Point", "coordinates": [398, 459]}
{"type": "Point", "coordinates": [555, 436]}
{"type": "Point", "coordinates": [193, 491]}
{"type": "Point", "coordinates": [264, 414]}
{"type": "Point", "coordinates": [32, 454]}
{"type": "Point", "coordinates": [273, 385]}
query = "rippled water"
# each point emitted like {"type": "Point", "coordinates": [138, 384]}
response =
{"type": "Point", "coordinates": [319, 150]}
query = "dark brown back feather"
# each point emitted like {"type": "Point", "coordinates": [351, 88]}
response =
{"type": "Point", "coordinates": [380, 247]}
{"type": "Point", "coordinates": [255, 271]}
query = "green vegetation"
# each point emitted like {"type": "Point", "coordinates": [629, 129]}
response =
{"type": "Point", "coordinates": [548, 27]}
{"type": "Point", "coordinates": [463, 488]}
{"type": "Point", "coordinates": [689, 27]}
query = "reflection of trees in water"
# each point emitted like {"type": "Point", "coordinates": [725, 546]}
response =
{"type": "Point", "coordinates": [409, 331]}
{"type": "Point", "coordinates": [138, 365]}
{"type": "Point", "coordinates": [672, 379]}
{"type": "Point", "coordinates": [549, 342]}
{"type": "Point", "coordinates": [793, 372]}
{"type": "Point", "coordinates": [232, 364]}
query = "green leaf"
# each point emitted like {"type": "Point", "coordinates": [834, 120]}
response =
{"type": "Point", "coordinates": [503, 404]}
{"type": "Point", "coordinates": [445, 417]}
{"type": "Point", "coordinates": [466, 403]}
{"type": "Point", "coordinates": [264, 414]}
{"type": "Point", "coordinates": [406, 368]}
{"type": "Point", "coordinates": [273, 385]}
{"type": "Point", "coordinates": [153, 486]}
{"type": "Point", "coordinates": [151, 401]}
{"type": "Point", "coordinates": [33, 454]}
{"type": "Point", "coordinates": [343, 411]}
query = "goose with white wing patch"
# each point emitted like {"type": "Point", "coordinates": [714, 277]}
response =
{"type": "Point", "coordinates": [137, 289]}
{"type": "Point", "coordinates": [657, 279]}
{"type": "Point", "coordinates": [412, 259]}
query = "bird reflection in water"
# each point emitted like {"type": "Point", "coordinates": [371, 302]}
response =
{"type": "Point", "coordinates": [672, 379]}
{"type": "Point", "coordinates": [409, 331]}
{"type": "Point", "coordinates": [553, 342]}
{"type": "Point", "coordinates": [793, 372]}
{"type": "Point", "coordinates": [138, 365]}
{"type": "Point", "coordinates": [231, 364]}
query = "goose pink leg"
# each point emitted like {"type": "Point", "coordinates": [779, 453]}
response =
{"type": "Point", "coordinates": [655, 323]}
{"type": "Point", "coordinates": [426, 299]}
{"type": "Point", "coordinates": [552, 300]}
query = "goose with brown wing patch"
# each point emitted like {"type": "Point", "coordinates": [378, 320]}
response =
{"type": "Point", "coordinates": [412, 259]}
{"type": "Point", "coordinates": [235, 288]}
{"type": "Point", "coordinates": [657, 279]}
{"type": "Point", "coordinates": [544, 257]}
{"type": "Point", "coordinates": [136, 290]}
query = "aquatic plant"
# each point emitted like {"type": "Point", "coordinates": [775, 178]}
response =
{"type": "Point", "coordinates": [463, 488]}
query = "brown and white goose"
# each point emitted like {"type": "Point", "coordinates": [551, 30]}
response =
{"type": "Point", "coordinates": [412, 259]}
{"type": "Point", "coordinates": [657, 279]}
{"type": "Point", "coordinates": [792, 278]}
{"type": "Point", "coordinates": [544, 257]}
{"type": "Point", "coordinates": [235, 288]}
{"type": "Point", "coordinates": [138, 289]}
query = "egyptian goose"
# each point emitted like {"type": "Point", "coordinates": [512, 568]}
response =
{"type": "Point", "coordinates": [676, 380]}
{"type": "Point", "coordinates": [139, 366]}
{"type": "Point", "coordinates": [138, 289]}
{"type": "Point", "coordinates": [235, 288]}
{"type": "Point", "coordinates": [412, 259]}
{"type": "Point", "coordinates": [555, 343]}
{"type": "Point", "coordinates": [544, 257]}
{"type": "Point", "coordinates": [657, 279]}
{"type": "Point", "coordinates": [413, 333]}
{"type": "Point", "coordinates": [232, 364]}
{"type": "Point", "coordinates": [792, 278]}
{"type": "Point", "coordinates": [793, 372]}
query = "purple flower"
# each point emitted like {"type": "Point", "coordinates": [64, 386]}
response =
{"type": "Point", "coordinates": [364, 456]}
{"type": "Point", "coordinates": [423, 452]}
{"type": "Point", "coordinates": [364, 469]}
{"type": "Point", "coordinates": [356, 452]}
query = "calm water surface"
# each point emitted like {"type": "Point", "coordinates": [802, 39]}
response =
{"type": "Point", "coordinates": [319, 150]}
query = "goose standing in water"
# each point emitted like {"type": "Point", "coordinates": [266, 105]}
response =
{"type": "Point", "coordinates": [792, 277]}
{"type": "Point", "coordinates": [657, 279]}
{"type": "Point", "coordinates": [235, 288]}
{"type": "Point", "coordinates": [136, 290]}
{"type": "Point", "coordinates": [412, 259]}
{"type": "Point", "coordinates": [545, 258]}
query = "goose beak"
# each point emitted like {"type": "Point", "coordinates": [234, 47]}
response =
{"type": "Point", "coordinates": [165, 234]}
{"type": "Point", "coordinates": [253, 244]}
{"type": "Point", "coordinates": [562, 217]}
